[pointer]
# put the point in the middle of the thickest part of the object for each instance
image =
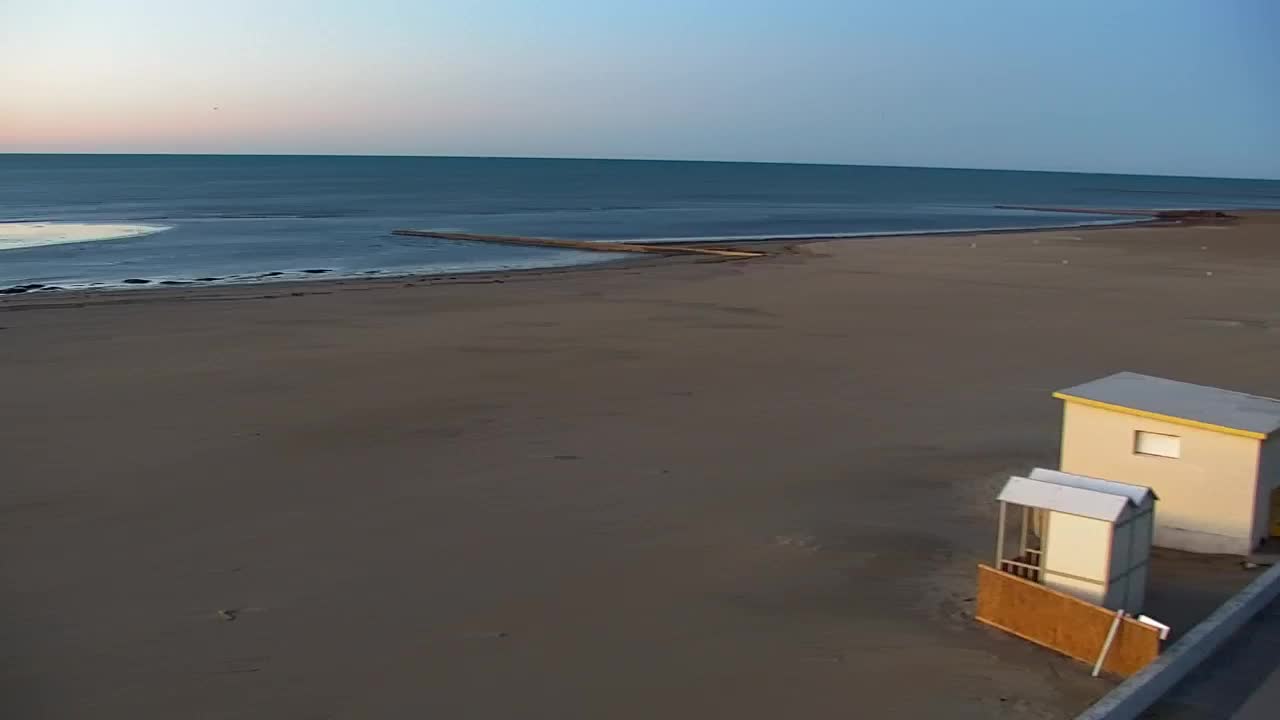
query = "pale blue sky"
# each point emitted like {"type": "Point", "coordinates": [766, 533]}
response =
{"type": "Point", "coordinates": [1159, 86]}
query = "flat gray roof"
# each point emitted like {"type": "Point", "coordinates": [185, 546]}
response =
{"type": "Point", "coordinates": [1252, 415]}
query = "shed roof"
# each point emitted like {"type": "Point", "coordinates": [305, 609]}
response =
{"type": "Point", "coordinates": [1184, 403]}
{"type": "Point", "coordinates": [1139, 495]}
{"type": "Point", "coordinates": [1064, 498]}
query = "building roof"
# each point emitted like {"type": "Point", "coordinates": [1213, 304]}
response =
{"type": "Point", "coordinates": [1048, 495]}
{"type": "Point", "coordinates": [1139, 495]}
{"type": "Point", "coordinates": [1178, 402]}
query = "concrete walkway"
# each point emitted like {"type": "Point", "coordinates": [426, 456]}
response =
{"type": "Point", "coordinates": [1240, 682]}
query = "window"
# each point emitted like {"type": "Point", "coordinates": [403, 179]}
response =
{"type": "Point", "coordinates": [1148, 443]}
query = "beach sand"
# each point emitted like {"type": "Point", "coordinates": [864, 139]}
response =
{"type": "Point", "coordinates": [16, 235]}
{"type": "Point", "coordinates": [702, 489]}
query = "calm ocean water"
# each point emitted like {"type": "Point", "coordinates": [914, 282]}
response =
{"type": "Point", "coordinates": [238, 218]}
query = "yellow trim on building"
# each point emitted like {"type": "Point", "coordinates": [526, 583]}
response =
{"type": "Point", "coordinates": [1164, 418]}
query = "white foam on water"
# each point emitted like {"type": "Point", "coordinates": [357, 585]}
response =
{"type": "Point", "coordinates": [17, 235]}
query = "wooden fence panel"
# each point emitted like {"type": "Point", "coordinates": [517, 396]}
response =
{"type": "Point", "coordinates": [1063, 623]}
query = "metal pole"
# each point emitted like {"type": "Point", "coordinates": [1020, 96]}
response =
{"type": "Point", "coordinates": [1106, 646]}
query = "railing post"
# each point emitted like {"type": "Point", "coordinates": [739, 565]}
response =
{"type": "Point", "coordinates": [1000, 535]}
{"type": "Point", "coordinates": [1026, 520]}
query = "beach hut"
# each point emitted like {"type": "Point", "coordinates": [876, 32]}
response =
{"type": "Point", "coordinates": [1212, 455]}
{"type": "Point", "coordinates": [1083, 536]}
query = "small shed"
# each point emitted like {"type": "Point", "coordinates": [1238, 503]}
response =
{"type": "Point", "coordinates": [1083, 536]}
{"type": "Point", "coordinates": [1212, 455]}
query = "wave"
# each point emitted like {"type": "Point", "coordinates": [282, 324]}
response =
{"type": "Point", "coordinates": [252, 216]}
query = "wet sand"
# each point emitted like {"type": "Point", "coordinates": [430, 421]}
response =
{"type": "Point", "coordinates": [689, 489]}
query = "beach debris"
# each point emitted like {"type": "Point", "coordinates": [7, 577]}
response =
{"type": "Point", "coordinates": [832, 658]}
{"type": "Point", "coordinates": [250, 664]}
{"type": "Point", "coordinates": [802, 541]}
{"type": "Point", "coordinates": [1159, 626]}
{"type": "Point", "coordinates": [228, 615]}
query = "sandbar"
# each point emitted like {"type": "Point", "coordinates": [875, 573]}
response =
{"type": "Point", "coordinates": [19, 235]}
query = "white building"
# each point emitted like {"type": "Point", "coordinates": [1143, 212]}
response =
{"type": "Point", "coordinates": [1211, 455]}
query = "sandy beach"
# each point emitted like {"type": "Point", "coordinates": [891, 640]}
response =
{"type": "Point", "coordinates": [696, 488]}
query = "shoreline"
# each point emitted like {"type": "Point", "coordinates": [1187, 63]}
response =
{"type": "Point", "coordinates": [312, 281]}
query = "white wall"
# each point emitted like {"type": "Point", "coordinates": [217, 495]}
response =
{"type": "Point", "coordinates": [1268, 480]}
{"type": "Point", "coordinates": [1130, 551]}
{"type": "Point", "coordinates": [1143, 533]}
{"type": "Point", "coordinates": [1121, 540]}
{"type": "Point", "coordinates": [1208, 496]}
{"type": "Point", "coordinates": [1079, 546]}
{"type": "Point", "coordinates": [1118, 587]}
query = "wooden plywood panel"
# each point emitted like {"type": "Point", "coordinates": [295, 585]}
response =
{"type": "Point", "coordinates": [1060, 622]}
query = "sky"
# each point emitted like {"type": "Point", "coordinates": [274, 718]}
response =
{"type": "Point", "coordinates": [1179, 87]}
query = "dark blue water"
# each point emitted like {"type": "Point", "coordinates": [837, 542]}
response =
{"type": "Point", "coordinates": [240, 217]}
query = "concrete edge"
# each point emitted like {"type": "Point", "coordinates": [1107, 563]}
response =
{"type": "Point", "coordinates": [1139, 692]}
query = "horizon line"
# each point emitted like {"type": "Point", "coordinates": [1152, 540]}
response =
{"type": "Point", "coordinates": [638, 159]}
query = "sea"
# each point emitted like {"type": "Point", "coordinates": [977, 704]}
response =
{"type": "Point", "coordinates": [235, 219]}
